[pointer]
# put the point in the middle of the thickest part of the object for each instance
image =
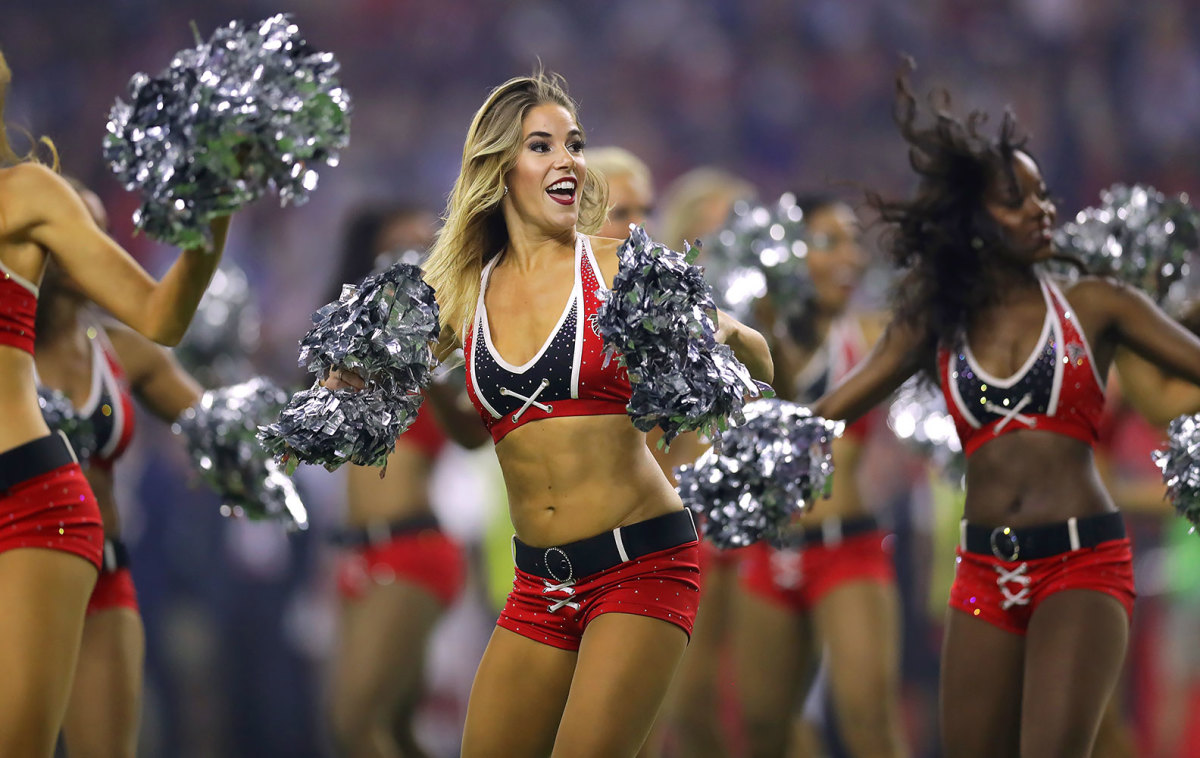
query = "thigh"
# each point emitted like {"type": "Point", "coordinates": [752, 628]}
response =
{"type": "Point", "coordinates": [43, 594]}
{"type": "Point", "coordinates": [982, 671]}
{"type": "Point", "coordinates": [1074, 651]}
{"type": "Point", "coordinates": [381, 652]}
{"type": "Point", "coordinates": [105, 707]}
{"type": "Point", "coordinates": [774, 660]}
{"type": "Point", "coordinates": [625, 666]}
{"type": "Point", "coordinates": [517, 699]}
{"type": "Point", "coordinates": [858, 625]}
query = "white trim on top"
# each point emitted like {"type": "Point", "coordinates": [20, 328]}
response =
{"type": "Point", "coordinates": [954, 393]}
{"type": "Point", "coordinates": [581, 248]}
{"type": "Point", "coordinates": [1071, 316]}
{"type": "Point", "coordinates": [118, 408]}
{"type": "Point", "coordinates": [476, 326]}
{"type": "Point", "coordinates": [487, 330]}
{"type": "Point", "coordinates": [1060, 357]}
{"type": "Point", "coordinates": [33, 288]}
{"type": "Point", "coordinates": [1037, 350]}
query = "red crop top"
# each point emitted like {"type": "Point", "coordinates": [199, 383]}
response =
{"type": "Point", "coordinates": [18, 310]}
{"type": "Point", "coordinates": [1057, 390]}
{"type": "Point", "coordinates": [567, 377]}
{"type": "Point", "coordinates": [844, 347]}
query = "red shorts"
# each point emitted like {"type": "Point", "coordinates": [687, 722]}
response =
{"type": "Point", "coordinates": [715, 558]}
{"type": "Point", "coordinates": [797, 578]}
{"type": "Point", "coordinates": [54, 510]}
{"type": "Point", "coordinates": [663, 585]}
{"type": "Point", "coordinates": [114, 589]}
{"type": "Point", "coordinates": [1006, 593]}
{"type": "Point", "coordinates": [426, 558]}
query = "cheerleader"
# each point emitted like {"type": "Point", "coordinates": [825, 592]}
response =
{"type": "Point", "coordinates": [51, 530]}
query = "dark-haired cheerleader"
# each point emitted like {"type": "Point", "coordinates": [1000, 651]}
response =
{"type": "Point", "coordinates": [1043, 590]}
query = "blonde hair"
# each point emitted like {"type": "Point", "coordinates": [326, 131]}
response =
{"type": "Point", "coordinates": [617, 161]}
{"type": "Point", "coordinates": [685, 198]}
{"type": "Point", "coordinates": [473, 230]}
{"type": "Point", "coordinates": [8, 156]}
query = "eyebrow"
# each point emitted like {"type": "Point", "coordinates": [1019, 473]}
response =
{"type": "Point", "coordinates": [547, 135]}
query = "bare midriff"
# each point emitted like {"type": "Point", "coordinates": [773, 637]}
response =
{"type": "Point", "coordinates": [844, 501]}
{"type": "Point", "coordinates": [1030, 477]}
{"type": "Point", "coordinates": [575, 477]}
{"type": "Point", "coordinates": [402, 493]}
{"type": "Point", "coordinates": [20, 417]}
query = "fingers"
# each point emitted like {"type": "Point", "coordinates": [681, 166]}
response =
{"type": "Point", "coordinates": [342, 379]}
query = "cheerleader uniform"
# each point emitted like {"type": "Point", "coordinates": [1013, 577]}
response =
{"type": "Point", "coordinates": [110, 409]}
{"type": "Point", "coordinates": [650, 568]}
{"type": "Point", "coordinates": [413, 550]}
{"type": "Point", "coordinates": [807, 563]}
{"type": "Point", "coordinates": [1002, 574]}
{"type": "Point", "coordinates": [45, 501]}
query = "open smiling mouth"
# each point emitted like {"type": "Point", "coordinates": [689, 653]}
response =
{"type": "Point", "coordinates": [562, 191]}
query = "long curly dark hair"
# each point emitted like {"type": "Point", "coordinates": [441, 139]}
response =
{"type": "Point", "coordinates": [943, 238]}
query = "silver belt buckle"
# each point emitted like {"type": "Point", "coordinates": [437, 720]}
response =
{"type": "Point", "coordinates": [550, 570]}
{"type": "Point", "coordinates": [1005, 544]}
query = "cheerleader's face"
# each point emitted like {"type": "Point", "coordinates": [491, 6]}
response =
{"type": "Point", "coordinates": [1020, 205]}
{"type": "Point", "coordinates": [546, 184]}
{"type": "Point", "coordinates": [836, 261]}
{"type": "Point", "coordinates": [631, 201]}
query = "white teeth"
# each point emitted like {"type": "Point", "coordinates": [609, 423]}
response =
{"type": "Point", "coordinates": [565, 184]}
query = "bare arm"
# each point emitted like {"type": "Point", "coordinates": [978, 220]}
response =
{"type": "Point", "coordinates": [456, 417]}
{"type": "Point", "coordinates": [59, 222]}
{"type": "Point", "coordinates": [895, 357]}
{"type": "Point", "coordinates": [749, 346]}
{"type": "Point", "coordinates": [154, 374]}
{"type": "Point", "coordinates": [1158, 396]}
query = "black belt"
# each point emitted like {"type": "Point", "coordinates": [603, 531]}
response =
{"type": "Point", "coordinates": [576, 560]}
{"type": "Point", "coordinates": [1034, 542]}
{"type": "Point", "coordinates": [115, 557]}
{"type": "Point", "coordinates": [380, 532]}
{"type": "Point", "coordinates": [34, 458]}
{"type": "Point", "coordinates": [830, 531]}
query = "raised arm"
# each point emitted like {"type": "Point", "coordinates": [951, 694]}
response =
{"type": "Point", "coordinates": [749, 346]}
{"type": "Point", "coordinates": [154, 375]}
{"type": "Point", "coordinates": [1158, 396]}
{"type": "Point", "coordinates": [1135, 322]}
{"type": "Point", "coordinates": [896, 356]}
{"type": "Point", "coordinates": [55, 218]}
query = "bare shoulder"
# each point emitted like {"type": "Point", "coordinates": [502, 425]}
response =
{"type": "Point", "coordinates": [605, 251]}
{"type": "Point", "coordinates": [1100, 292]}
{"type": "Point", "coordinates": [36, 193]}
{"type": "Point", "coordinates": [872, 324]}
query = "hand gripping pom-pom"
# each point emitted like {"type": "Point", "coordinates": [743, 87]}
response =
{"type": "Point", "coordinates": [766, 470]}
{"type": "Point", "coordinates": [224, 333]}
{"type": "Point", "coordinates": [761, 251]}
{"type": "Point", "coordinates": [1138, 235]}
{"type": "Point", "coordinates": [1180, 466]}
{"type": "Point", "coordinates": [656, 321]}
{"type": "Point", "coordinates": [253, 110]}
{"type": "Point", "coordinates": [220, 432]}
{"type": "Point", "coordinates": [383, 330]}
{"type": "Point", "coordinates": [60, 415]}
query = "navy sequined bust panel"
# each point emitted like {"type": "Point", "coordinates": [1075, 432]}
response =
{"type": "Point", "coordinates": [567, 377]}
{"type": "Point", "coordinates": [1057, 390]}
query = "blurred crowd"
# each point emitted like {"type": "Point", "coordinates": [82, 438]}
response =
{"type": "Point", "coordinates": [789, 94]}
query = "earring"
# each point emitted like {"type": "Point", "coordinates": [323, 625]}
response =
{"type": "Point", "coordinates": [506, 189]}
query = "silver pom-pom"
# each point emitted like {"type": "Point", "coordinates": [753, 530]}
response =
{"type": "Point", "coordinates": [656, 322]}
{"type": "Point", "coordinates": [60, 415]}
{"type": "Point", "coordinates": [918, 417]}
{"type": "Point", "coordinates": [253, 110]}
{"type": "Point", "coordinates": [762, 250]}
{"type": "Point", "coordinates": [220, 431]}
{"type": "Point", "coordinates": [1138, 235]}
{"type": "Point", "coordinates": [383, 330]}
{"type": "Point", "coordinates": [224, 333]}
{"type": "Point", "coordinates": [768, 468]}
{"type": "Point", "coordinates": [1180, 465]}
